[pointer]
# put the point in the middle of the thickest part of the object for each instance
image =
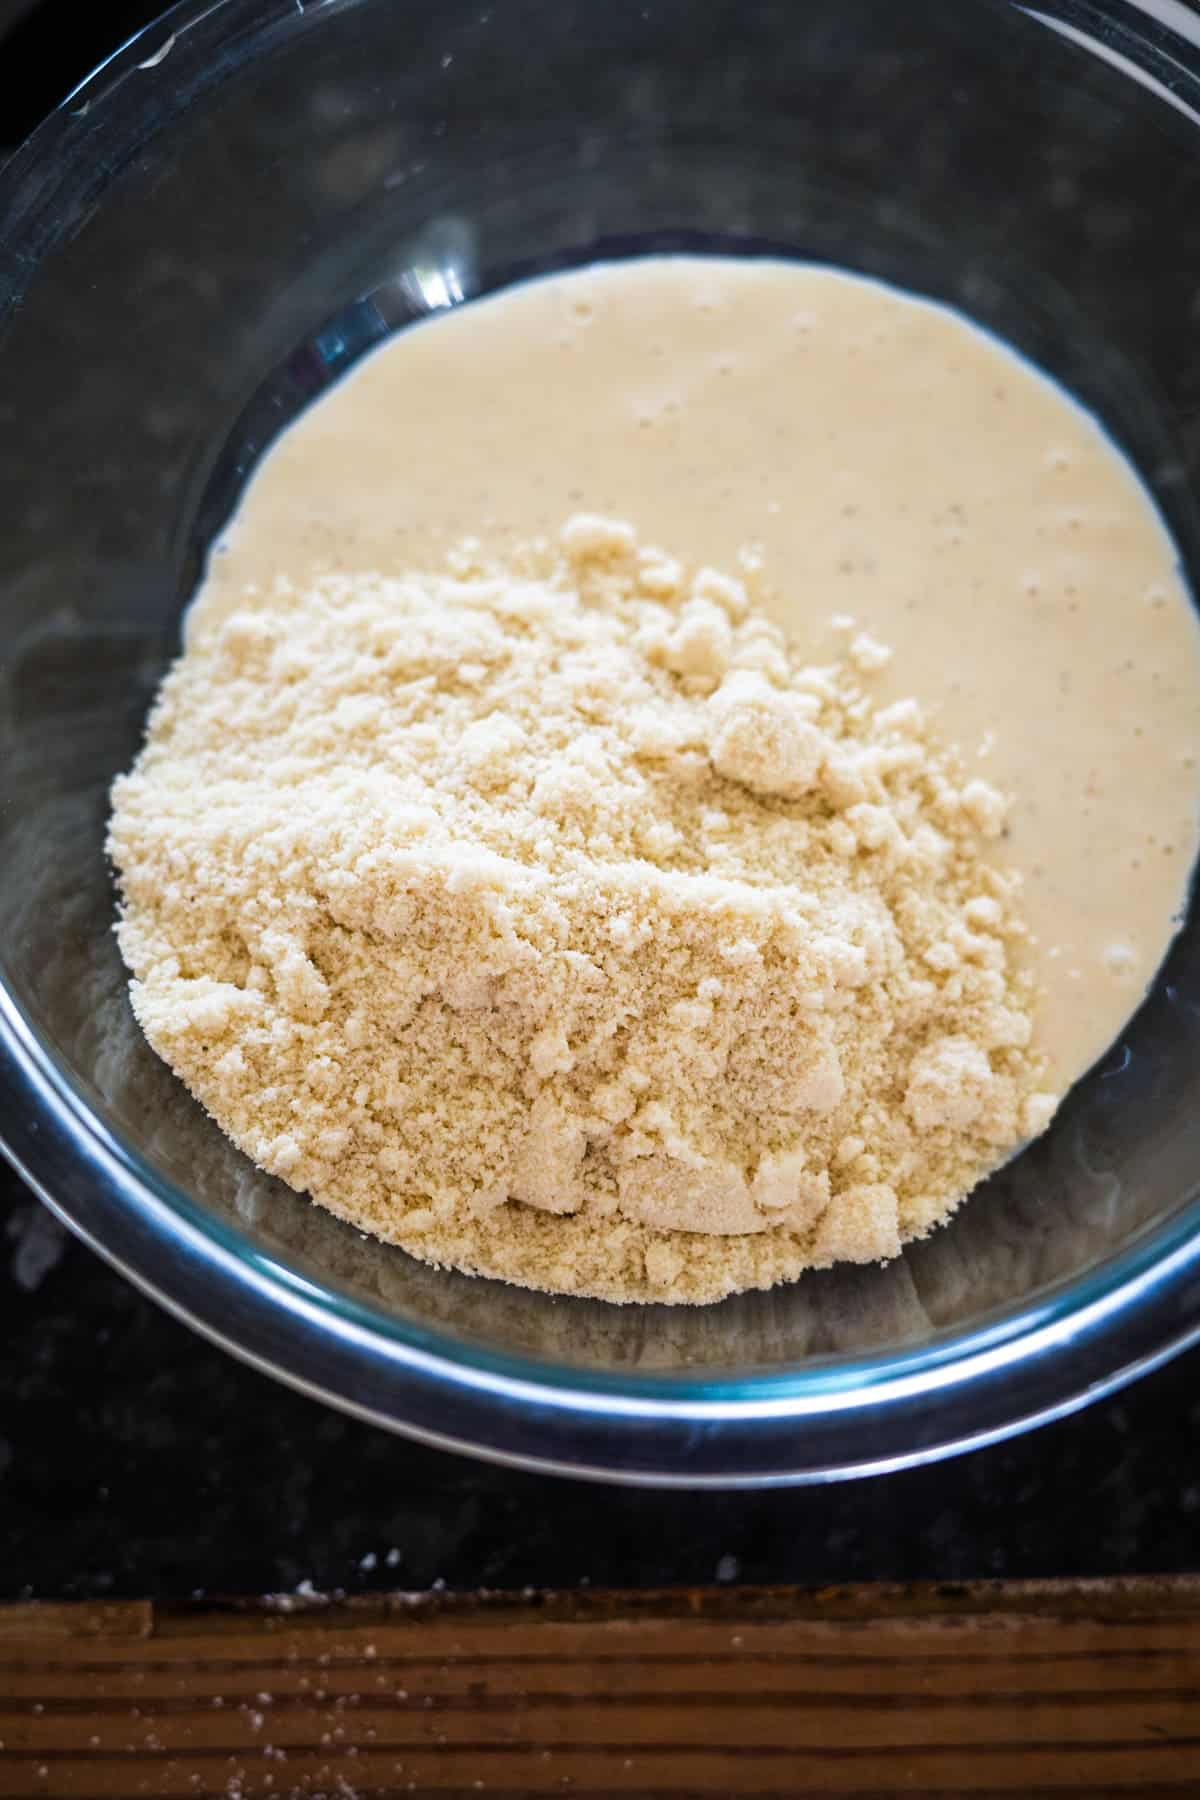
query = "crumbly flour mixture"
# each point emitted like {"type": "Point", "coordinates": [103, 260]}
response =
{"type": "Point", "coordinates": [555, 921]}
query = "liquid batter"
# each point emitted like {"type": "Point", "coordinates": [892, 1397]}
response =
{"type": "Point", "coordinates": [864, 455]}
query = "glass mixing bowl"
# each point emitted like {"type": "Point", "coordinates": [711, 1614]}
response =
{"type": "Point", "coordinates": [210, 230]}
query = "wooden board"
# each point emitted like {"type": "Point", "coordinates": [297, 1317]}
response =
{"type": "Point", "coordinates": [1029, 1690]}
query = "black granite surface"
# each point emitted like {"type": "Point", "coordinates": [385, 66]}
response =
{"type": "Point", "coordinates": [136, 1459]}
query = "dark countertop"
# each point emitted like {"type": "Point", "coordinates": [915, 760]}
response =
{"type": "Point", "coordinates": [136, 1459]}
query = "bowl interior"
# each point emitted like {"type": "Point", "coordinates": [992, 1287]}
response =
{"type": "Point", "coordinates": [205, 237]}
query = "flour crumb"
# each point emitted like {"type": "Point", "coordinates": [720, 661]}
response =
{"type": "Point", "coordinates": [557, 921]}
{"type": "Point", "coordinates": [987, 809]}
{"type": "Point", "coordinates": [868, 655]}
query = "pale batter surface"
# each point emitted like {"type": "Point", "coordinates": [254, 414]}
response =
{"type": "Point", "coordinates": [881, 459]}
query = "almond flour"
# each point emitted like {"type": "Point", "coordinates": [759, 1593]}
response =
{"type": "Point", "coordinates": [557, 922]}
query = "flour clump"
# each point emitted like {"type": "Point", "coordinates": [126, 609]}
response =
{"type": "Point", "coordinates": [556, 921]}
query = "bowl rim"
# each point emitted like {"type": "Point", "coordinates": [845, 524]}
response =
{"type": "Point", "coordinates": [835, 1418]}
{"type": "Point", "coordinates": [857, 1416]}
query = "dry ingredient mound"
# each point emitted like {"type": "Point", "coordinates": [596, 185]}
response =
{"type": "Point", "coordinates": [555, 922]}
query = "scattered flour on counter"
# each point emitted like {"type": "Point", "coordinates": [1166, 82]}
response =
{"type": "Point", "coordinates": [40, 1244]}
{"type": "Point", "coordinates": [557, 923]}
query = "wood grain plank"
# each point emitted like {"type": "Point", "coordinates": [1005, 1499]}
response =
{"type": "Point", "coordinates": [1085, 1675]}
{"type": "Point", "coordinates": [1043, 1688]}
